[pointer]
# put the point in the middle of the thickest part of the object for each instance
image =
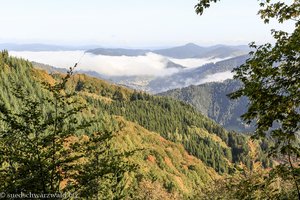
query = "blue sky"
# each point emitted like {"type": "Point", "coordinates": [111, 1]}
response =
{"type": "Point", "coordinates": [131, 23]}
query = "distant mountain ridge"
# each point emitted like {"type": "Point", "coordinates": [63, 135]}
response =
{"type": "Point", "coordinates": [118, 52]}
{"type": "Point", "coordinates": [189, 50]}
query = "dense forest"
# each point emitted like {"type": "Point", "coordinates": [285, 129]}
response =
{"type": "Point", "coordinates": [73, 133]}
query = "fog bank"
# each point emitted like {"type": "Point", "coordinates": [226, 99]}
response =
{"type": "Point", "coordinates": [150, 64]}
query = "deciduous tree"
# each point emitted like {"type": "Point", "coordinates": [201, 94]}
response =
{"type": "Point", "coordinates": [271, 81]}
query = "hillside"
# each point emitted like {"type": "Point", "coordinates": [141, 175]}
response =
{"type": "Point", "coordinates": [162, 161]}
{"type": "Point", "coordinates": [211, 99]}
{"type": "Point", "coordinates": [177, 148]}
{"type": "Point", "coordinates": [173, 120]}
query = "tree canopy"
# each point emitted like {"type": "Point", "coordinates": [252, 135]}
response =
{"type": "Point", "coordinates": [271, 81]}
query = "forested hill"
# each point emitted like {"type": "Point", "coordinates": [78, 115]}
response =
{"type": "Point", "coordinates": [177, 149]}
{"type": "Point", "coordinates": [211, 99]}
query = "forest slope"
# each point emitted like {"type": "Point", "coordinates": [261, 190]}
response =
{"type": "Point", "coordinates": [177, 147]}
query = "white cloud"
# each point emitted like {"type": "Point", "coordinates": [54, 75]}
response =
{"type": "Point", "coordinates": [150, 64]}
{"type": "Point", "coordinates": [217, 77]}
{"type": "Point", "coordinates": [64, 59]}
{"type": "Point", "coordinates": [195, 62]}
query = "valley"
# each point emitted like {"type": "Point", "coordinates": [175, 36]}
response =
{"type": "Point", "coordinates": [153, 71]}
{"type": "Point", "coordinates": [163, 72]}
{"type": "Point", "coordinates": [150, 100]}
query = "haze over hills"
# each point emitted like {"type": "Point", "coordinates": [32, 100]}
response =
{"type": "Point", "coordinates": [211, 100]}
{"type": "Point", "coordinates": [181, 52]}
{"type": "Point", "coordinates": [194, 51]}
{"type": "Point", "coordinates": [148, 70]}
{"type": "Point", "coordinates": [211, 72]}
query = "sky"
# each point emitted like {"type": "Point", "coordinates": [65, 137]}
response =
{"type": "Point", "coordinates": [131, 23]}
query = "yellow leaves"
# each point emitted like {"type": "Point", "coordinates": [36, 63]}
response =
{"type": "Point", "coordinates": [69, 141]}
{"type": "Point", "coordinates": [5, 165]}
{"type": "Point", "coordinates": [252, 149]}
{"type": "Point", "coordinates": [154, 191]}
{"type": "Point", "coordinates": [42, 75]}
{"type": "Point", "coordinates": [97, 97]}
{"type": "Point", "coordinates": [205, 134]}
{"type": "Point", "coordinates": [85, 138]}
{"type": "Point", "coordinates": [253, 154]}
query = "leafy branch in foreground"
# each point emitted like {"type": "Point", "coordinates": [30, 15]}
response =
{"type": "Point", "coordinates": [245, 183]}
{"type": "Point", "coordinates": [271, 81]}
